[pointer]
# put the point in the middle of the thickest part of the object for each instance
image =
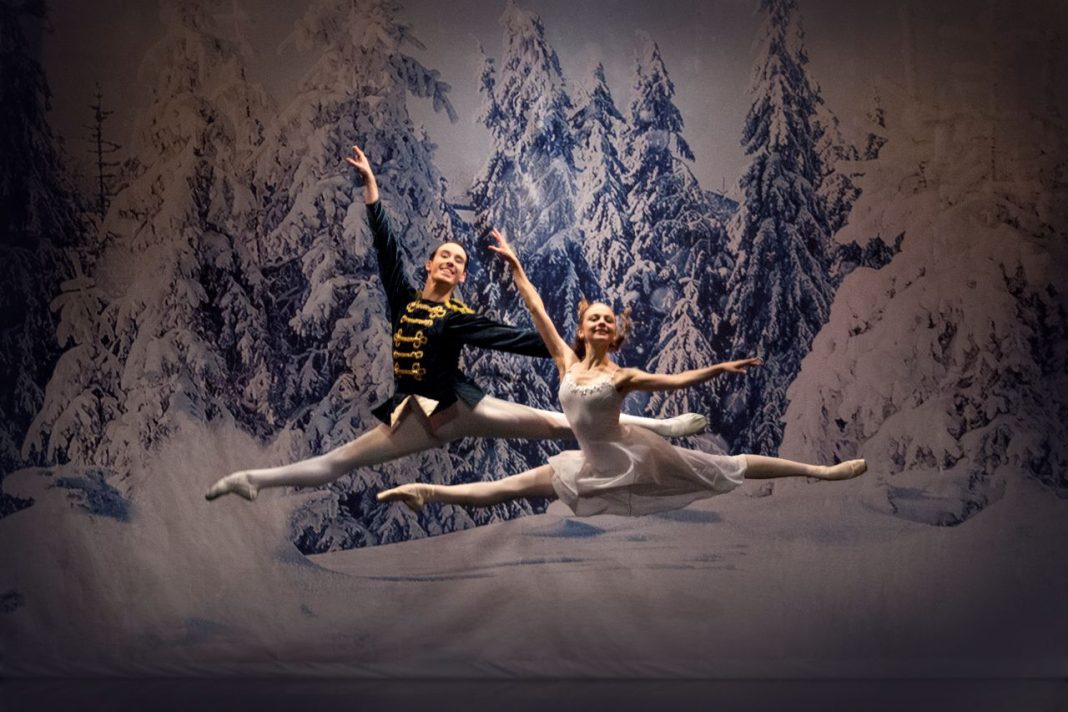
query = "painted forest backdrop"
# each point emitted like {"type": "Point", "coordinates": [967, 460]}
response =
{"type": "Point", "coordinates": [903, 277]}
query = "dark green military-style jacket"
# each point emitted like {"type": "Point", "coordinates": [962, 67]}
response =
{"type": "Point", "coordinates": [428, 335]}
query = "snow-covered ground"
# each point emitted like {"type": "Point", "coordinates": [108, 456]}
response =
{"type": "Point", "coordinates": [812, 581]}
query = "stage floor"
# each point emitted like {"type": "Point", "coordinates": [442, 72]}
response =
{"type": "Point", "coordinates": [267, 695]}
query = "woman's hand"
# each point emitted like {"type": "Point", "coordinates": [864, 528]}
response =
{"type": "Point", "coordinates": [740, 366]}
{"type": "Point", "coordinates": [558, 348]}
{"type": "Point", "coordinates": [505, 250]}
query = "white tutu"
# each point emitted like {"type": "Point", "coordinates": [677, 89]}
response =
{"type": "Point", "coordinates": [628, 470]}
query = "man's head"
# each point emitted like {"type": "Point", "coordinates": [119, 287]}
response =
{"type": "Point", "coordinates": [447, 264]}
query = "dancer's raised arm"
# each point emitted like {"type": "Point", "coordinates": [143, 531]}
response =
{"type": "Point", "coordinates": [558, 348]}
{"type": "Point", "coordinates": [363, 167]}
{"type": "Point", "coordinates": [399, 290]}
{"type": "Point", "coordinates": [634, 379]}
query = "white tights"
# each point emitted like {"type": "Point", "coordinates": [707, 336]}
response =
{"type": "Point", "coordinates": [490, 418]}
{"type": "Point", "coordinates": [538, 483]}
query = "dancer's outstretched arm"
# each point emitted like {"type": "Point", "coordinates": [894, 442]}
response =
{"type": "Point", "coordinates": [635, 379]}
{"type": "Point", "coordinates": [363, 167]}
{"type": "Point", "coordinates": [390, 258]}
{"type": "Point", "coordinates": [558, 348]}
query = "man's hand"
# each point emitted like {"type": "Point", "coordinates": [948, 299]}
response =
{"type": "Point", "coordinates": [359, 160]}
{"type": "Point", "coordinates": [361, 164]}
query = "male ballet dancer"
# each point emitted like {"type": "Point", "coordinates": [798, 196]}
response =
{"type": "Point", "coordinates": [433, 403]}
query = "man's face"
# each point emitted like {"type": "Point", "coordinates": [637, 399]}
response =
{"type": "Point", "coordinates": [448, 264]}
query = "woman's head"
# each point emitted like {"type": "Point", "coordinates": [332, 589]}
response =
{"type": "Point", "coordinates": [599, 327]}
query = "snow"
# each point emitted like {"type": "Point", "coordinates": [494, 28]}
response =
{"type": "Point", "coordinates": [948, 364]}
{"type": "Point", "coordinates": [811, 582]}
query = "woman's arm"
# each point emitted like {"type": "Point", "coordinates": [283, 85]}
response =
{"type": "Point", "coordinates": [633, 379]}
{"type": "Point", "coordinates": [558, 348]}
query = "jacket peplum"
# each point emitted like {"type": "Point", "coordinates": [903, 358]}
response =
{"type": "Point", "coordinates": [428, 336]}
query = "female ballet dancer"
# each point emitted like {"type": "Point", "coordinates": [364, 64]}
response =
{"type": "Point", "coordinates": [620, 469]}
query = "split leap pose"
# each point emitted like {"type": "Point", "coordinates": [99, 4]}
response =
{"type": "Point", "coordinates": [620, 469]}
{"type": "Point", "coordinates": [433, 403]}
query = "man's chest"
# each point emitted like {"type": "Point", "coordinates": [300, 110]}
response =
{"type": "Point", "coordinates": [421, 340]}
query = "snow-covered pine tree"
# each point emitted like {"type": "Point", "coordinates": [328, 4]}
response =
{"type": "Point", "coordinates": [83, 393]}
{"type": "Point", "coordinates": [837, 186]}
{"type": "Point", "coordinates": [684, 345]}
{"type": "Point", "coordinates": [40, 234]}
{"type": "Point", "coordinates": [602, 193]}
{"type": "Point", "coordinates": [689, 337]}
{"type": "Point", "coordinates": [949, 373]}
{"type": "Point", "coordinates": [876, 126]}
{"type": "Point", "coordinates": [670, 214]}
{"type": "Point", "coordinates": [186, 329]}
{"type": "Point", "coordinates": [842, 163]}
{"type": "Point", "coordinates": [781, 287]}
{"type": "Point", "coordinates": [324, 272]}
{"type": "Point", "coordinates": [527, 190]}
{"type": "Point", "coordinates": [876, 252]}
{"type": "Point", "coordinates": [681, 261]}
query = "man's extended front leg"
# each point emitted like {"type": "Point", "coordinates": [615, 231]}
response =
{"type": "Point", "coordinates": [372, 448]}
{"type": "Point", "coordinates": [495, 418]}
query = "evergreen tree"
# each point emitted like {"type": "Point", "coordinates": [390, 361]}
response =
{"type": "Point", "coordinates": [102, 150]}
{"type": "Point", "coordinates": [333, 322]}
{"type": "Point", "coordinates": [39, 236]}
{"type": "Point", "coordinates": [527, 190]}
{"type": "Point", "coordinates": [184, 334]}
{"type": "Point", "coordinates": [684, 344]}
{"type": "Point", "coordinates": [876, 137]}
{"type": "Point", "coordinates": [947, 369]}
{"type": "Point", "coordinates": [669, 212]}
{"type": "Point", "coordinates": [781, 287]}
{"type": "Point", "coordinates": [689, 337]}
{"type": "Point", "coordinates": [316, 225]}
{"type": "Point", "coordinates": [602, 193]}
{"type": "Point", "coordinates": [837, 185]}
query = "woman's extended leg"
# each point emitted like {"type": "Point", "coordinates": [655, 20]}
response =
{"type": "Point", "coordinates": [532, 483]}
{"type": "Point", "coordinates": [759, 467]}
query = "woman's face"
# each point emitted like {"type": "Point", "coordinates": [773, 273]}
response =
{"type": "Point", "coordinates": [599, 325]}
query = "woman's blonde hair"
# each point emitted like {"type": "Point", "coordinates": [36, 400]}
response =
{"type": "Point", "coordinates": [623, 325]}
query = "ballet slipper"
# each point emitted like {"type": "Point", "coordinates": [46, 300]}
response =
{"type": "Point", "coordinates": [680, 425]}
{"type": "Point", "coordinates": [237, 483]}
{"type": "Point", "coordinates": [414, 496]}
{"type": "Point", "coordinates": [845, 470]}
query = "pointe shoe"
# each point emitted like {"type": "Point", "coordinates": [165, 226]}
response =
{"type": "Point", "coordinates": [681, 425]}
{"type": "Point", "coordinates": [846, 470]}
{"type": "Point", "coordinates": [237, 483]}
{"type": "Point", "coordinates": [414, 496]}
